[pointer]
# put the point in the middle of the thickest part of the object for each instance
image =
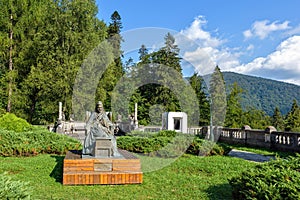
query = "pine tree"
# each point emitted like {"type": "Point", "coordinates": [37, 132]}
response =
{"type": "Point", "coordinates": [115, 70]}
{"type": "Point", "coordinates": [217, 97]}
{"type": "Point", "coordinates": [292, 120]}
{"type": "Point", "coordinates": [234, 110]}
{"type": "Point", "coordinates": [197, 84]}
{"type": "Point", "coordinates": [256, 119]}
{"type": "Point", "coordinates": [143, 51]}
{"type": "Point", "coordinates": [277, 119]}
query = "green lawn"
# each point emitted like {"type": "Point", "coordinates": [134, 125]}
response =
{"type": "Point", "coordinates": [189, 177]}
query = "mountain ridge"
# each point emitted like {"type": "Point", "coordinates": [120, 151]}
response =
{"type": "Point", "coordinates": [262, 93]}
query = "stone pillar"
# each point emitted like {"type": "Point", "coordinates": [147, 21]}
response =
{"type": "Point", "coordinates": [60, 117]}
{"type": "Point", "coordinates": [135, 116]}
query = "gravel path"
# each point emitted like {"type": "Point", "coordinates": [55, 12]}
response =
{"type": "Point", "coordinates": [250, 156]}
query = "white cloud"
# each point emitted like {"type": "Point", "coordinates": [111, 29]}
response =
{"type": "Point", "coordinates": [247, 34]}
{"type": "Point", "coordinates": [294, 31]}
{"type": "Point", "coordinates": [262, 29]}
{"type": "Point", "coordinates": [283, 64]}
{"type": "Point", "coordinates": [250, 47]}
{"type": "Point", "coordinates": [196, 33]}
{"type": "Point", "coordinates": [209, 51]}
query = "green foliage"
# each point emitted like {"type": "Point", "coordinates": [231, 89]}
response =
{"type": "Point", "coordinates": [35, 141]}
{"type": "Point", "coordinates": [217, 97]}
{"type": "Point", "coordinates": [12, 189]}
{"type": "Point", "coordinates": [197, 84]}
{"type": "Point", "coordinates": [167, 133]}
{"type": "Point", "coordinates": [234, 110]}
{"type": "Point", "coordinates": [167, 144]}
{"type": "Point", "coordinates": [11, 122]}
{"type": "Point", "coordinates": [278, 179]}
{"type": "Point", "coordinates": [277, 120]}
{"type": "Point", "coordinates": [50, 41]}
{"type": "Point", "coordinates": [204, 147]}
{"type": "Point", "coordinates": [256, 119]}
{"type": "Point", "coordinates": [263, 94]}
{"type": "Point", "coordinates": [292, 121]}
{"type": "Point", "coordinates": [158, 81]}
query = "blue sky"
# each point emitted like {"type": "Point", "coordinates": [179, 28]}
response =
{"type": "Point", "coordinates": [254, 37]}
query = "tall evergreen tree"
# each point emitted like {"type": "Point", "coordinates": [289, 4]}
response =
{"type": "Point", "coordinates": [197, 84]}
{"type": "Point", "coordinates": [217, 97]}
{"type": "Point", "coordinates": [277, 119]}
{"type": "Point", "coordinates": [234, 109]}
{"type": "Point", "coordinates": [143, 51]}
{"type": "Point", "coordinates": [115, 70]}
{"type": "Point", "coordinates": [292, 121]}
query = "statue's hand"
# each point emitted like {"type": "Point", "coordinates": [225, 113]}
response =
{"type": "Point", "coordinates": [111, 129]}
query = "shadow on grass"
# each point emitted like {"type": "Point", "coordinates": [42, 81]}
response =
{"type": "Point", "coordinates": [57, 172]}
{"type": "Point", "coordinates": [220, 191]}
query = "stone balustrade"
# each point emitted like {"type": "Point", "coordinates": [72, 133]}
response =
{"type": "Point", "coordinates": [268, 138]}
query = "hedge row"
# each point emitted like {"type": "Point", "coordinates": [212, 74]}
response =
{"type": "Point", "coordinates": [167, 144]}
{"type": "Point", "coordinates": [35, 141]}
{"type": "Point", "coordinates": [278, 179]}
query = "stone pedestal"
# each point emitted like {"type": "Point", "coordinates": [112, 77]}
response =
{"type": "Point", "coordinates": [103, 147]}
{"type": "Point", "coordinates": [91, 171]}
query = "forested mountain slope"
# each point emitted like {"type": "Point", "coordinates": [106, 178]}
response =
{"type": "Point", "coordinates": [264, 94]}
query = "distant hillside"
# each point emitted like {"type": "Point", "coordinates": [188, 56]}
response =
{"type": "Point", "coordinates": [264, 94]}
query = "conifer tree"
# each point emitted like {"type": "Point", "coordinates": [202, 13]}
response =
{"type": "Point", "coordinates": [197, 84]}
{"type": "Point", "coordinates": [234, 110]}
{"type": "Point", "coordinates": [292, 121]}
{"type": "Point", "coordinates": [115, 70]}
{"type": "Point", "coordinates": [277, 119]}
{"type": "Point", "coordinates": [217, 97]}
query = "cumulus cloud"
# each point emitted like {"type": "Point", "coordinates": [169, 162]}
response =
{"type": "Point", "coordinates": [195, 32]}
{"type": "Point", "coordinates": [208, 52]}
{"type": "Point", "coordinates": [283, 64]}
{"type": "Point", "coordinates": [294, 31]}
{"type": "Point", "coordinates": [262, 29]}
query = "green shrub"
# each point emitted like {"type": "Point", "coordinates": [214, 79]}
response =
{"type": "Point", "coordinates": [142, 144]}
{"type": "Point", "coordinates": [165, 144]}
{"type": "Point", "coordinates": [11, 122]}
{"type": "Point", "coordinates": [278, 179]}
{"type": "Point", "coordinates": [166, 133]}
{"type": "Point", "coordinates": [141, 134]}
{"type": "Point", "coordinates": [204, 147]}
{"type": "Point", "coordinates": [162, 133]}
{"type": "Point", "coordinates": [11, 189]}
{"type": "Point", "coordinates": [38, 140]}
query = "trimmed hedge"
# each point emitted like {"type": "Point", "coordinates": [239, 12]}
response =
{"type": "Point", "coordinates": [38, 140]}
{"type": "Point", "coordinates": [278, 179]}
{"type": "Point", "coordinates": [11, 122]}
{"type": "Point", "coordinates": [167, 144]}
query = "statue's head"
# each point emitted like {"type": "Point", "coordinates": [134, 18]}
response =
{"type": "Point", "coordinates": [99, 107]}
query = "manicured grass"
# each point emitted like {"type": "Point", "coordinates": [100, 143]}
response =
{"type": "Point", "coordinates": [189, 177]}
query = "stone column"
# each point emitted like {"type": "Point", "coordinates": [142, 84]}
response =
{"type": "Point", "coordinates": [135, 116]}
{"type": "Point", "coordinates": [60, 111]}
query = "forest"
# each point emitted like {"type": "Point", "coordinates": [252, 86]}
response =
{"type": "Point", "coordinates": [44, 43]}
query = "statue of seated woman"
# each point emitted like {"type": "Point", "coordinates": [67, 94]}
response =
{"type": "Point", "coordinates": [99, 126]}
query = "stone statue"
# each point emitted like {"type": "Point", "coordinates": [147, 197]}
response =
{"type": "Point", "coordinates": [99, 126]}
